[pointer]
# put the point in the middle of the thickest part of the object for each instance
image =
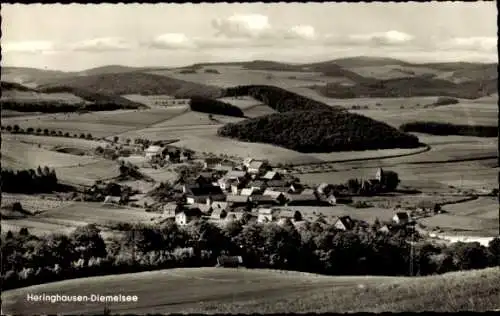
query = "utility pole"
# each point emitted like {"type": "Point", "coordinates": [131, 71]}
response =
{"type": "Point", "coordinates": [412, 250]}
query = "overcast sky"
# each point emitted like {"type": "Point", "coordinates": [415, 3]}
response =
{"type": "Point", "coordinates": [76, 37]}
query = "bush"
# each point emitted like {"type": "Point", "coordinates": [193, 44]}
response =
{"type": "Point", "coordinates": [206, 105]}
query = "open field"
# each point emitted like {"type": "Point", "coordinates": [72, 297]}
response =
{"type": "Point", "coordinates": [155, 101]}
{"type": "Point", "coordinates": [33, 203]}
{"type": "Point", "coordinates": [31, 96]}
{"type": "Point", "coordinates": [214, 290]}
{"type": "Point", "coordinates": [230, 76]}
{"type": "Point", "coordinates": [99, 124]}
{"type": "Point", "coordinates": [67, 217]}
{"type": "Point", "coordinates": [87, 174]}
{"type": "Point", "coordinates": [51, 141]}
{"type": "Point", "coordinates": [484, 207]}
{"type": "Point", "coordinates": [25, 156]}
{"type": "Point", "coordinates": [368, 215]}
{"type": "Point", "coordinates": [392, 71]}
{"type": "Point", "coordinates": [464, 225]}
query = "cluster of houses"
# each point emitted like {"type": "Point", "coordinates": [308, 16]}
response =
{"type": "Point", "coordinates": [252, 190]}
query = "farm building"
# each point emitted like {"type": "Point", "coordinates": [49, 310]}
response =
{"type": "Point", "coordinates": [212, 163]}
{"type": "Point", "coordinates": [266, 215]}
{"type": "Point", "coordinates": [343, 223]}
{"type": "Point", "coordinates": [401, 218]}
{"type": "Point", "coordinates": [379, 175]}
{"type": "Point", "coordinates": [234, 216]}
{"type": "Point", "coordinates": [170, 210]}
{"type": "Point", "coordinates": [206, 194]}
{"type": "Point", "coordinates": [257, 167]}
{"type": "Point", "coordinates": [229, 261]}
{"type": "Point", "coordinates": [205, 208]}
{"type": "Point", "coordinates": [112, 199]}
{"type": "Point", "coordinates": [187, 216]}
{"type": "Point", "coordinates": [153, 152]}
{"type": "Point", "coordinates": [218, 214]}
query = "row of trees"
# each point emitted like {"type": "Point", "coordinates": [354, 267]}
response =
{"type": "Point", "coordinates": [41, 180]}
{"type": "Point", "coordinates": [207, 105]}
{"type": "Point", "coordinates": [436, 128]}
{"type": "Point", "coordinates": [279, 99]}
{"type": "Point", "coordinates": [16, 129]}
{"type": "Point", "coordinates": [410, 87]}
{"type": "Point", "coordinates": [319, 131]}
{"type": "Point", "coordinates": [315, 247]}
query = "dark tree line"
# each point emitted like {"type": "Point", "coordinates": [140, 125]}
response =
{"type": "Point", "coordinates": [319, 131]}
{"type": "Point", "coordinates": [410, 87]}
{"type": "Point", "coordinates": [315, 247]}
{"type": "Point", "coordinates": [207, 105]}
{"type": "Point", "coordinates": [279, 99]}
{"type": "Point", "coordinates": [435, 128]}
{"type": "Point", "coordinates": [41, 180]}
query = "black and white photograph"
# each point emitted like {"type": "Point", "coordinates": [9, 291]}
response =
{"type": "Point", "coordinates": [249, 158]}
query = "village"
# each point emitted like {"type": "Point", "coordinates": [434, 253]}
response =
{"type": "Point", "coordinates": [221, 190]}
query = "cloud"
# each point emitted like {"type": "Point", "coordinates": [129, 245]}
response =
{"type": "Point", "coordinates": [101, 44]}
{"type": "Point", "coordinates": [172, 41]}
{"type": "Point", "coordinates": [487, 44]}
{"type": "Point", "coordinates": [35, 47]}
{"type": "Point", "coordinates": [381, 38]}
{"type": "Point", "coordinates": [243, 26]}
{"type": "Point", "coordinates": [301, 32]}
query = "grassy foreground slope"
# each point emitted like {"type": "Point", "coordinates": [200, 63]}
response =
{"type": "Point", "coordinates": [319, 131]}
{"type": "Point", "coordinates": [215, 290]}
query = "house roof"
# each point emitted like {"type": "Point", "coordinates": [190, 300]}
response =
{"type": "Point", "coordinates": [277, 183]}
{"type": "Point", "coordinates": [247, 191]}
{"type": "Point", "coordinates": [202, 207]}
{"type": "Point", "coordinates": [247, 160]}
{"type": "Point", "coordinates": [323, 186]}
{"type": "Point", "coordinates": [206, 175]}
{"type": "Point", "coordinates": [110, 199]}
{"type": "Point", "coordinates": [192, 212]}
{"type": "Point", "coordinates": [288, 213]}
{"type": "Point", "coordinates": [237, 198]}
{"type": "Point", "coordinates": [256, 183]}
{"type": "Point", "coordinates": [346, 221]}
{"type": "Point", "coordinates": [234, 174]}
{"type": "Point", "coordinates": [170, 207]}
{"type": "Point", "coordinates": [218, 214]}
{"type": "Point", "coordinates": [266, 211]}
{"type": "Point", "coordinates": [270, 175]}
{"type": "Point", "coordinates": [302, 197]}
{"type": "Point", "coordinates": [236, 215]}
{"type": "Point", "coordinates": [256, 164]}
{"type": "Point", "coordinates": [219, 205]}
{"type": "Point", "coordinates": [213, 160]}
{"type": "Point", "coordinates": [205, 190]}
{"type": "Point", "coordinates": [402, 215]}
{"type": "Point", "coordinates": [307, 192]}
{"type": "Point", "coordinates": [262, 198]}
{"type": "Point", "coordinates": [279, 189]}
{"type": "Point", "coordinates": [153, 149]}
{"type": "Point", "coordinates": [272, 193]}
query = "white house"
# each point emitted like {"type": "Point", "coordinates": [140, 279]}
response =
{"type": "Point", "coordinates": [256, 167]}
{"type": "Point", "coordinates": [112, 199]}
{"type": "Point", "coordinates": [153, 152]}
{"type": "Point", "coordinates": [187, 216]}
{"type": "Point", "coordinates": [401, 218]}
{"type": "Point", "coordinates": [266, 215]}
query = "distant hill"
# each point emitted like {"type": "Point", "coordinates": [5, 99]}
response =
{"type": "Point", "coordinates": [19, 98]}
{"type": "Point", "coordinates": [319, 131]}
{"type": "Point", "coordinates": [137, 83]}
{"type": "Point", "coordinates": [366, 61]}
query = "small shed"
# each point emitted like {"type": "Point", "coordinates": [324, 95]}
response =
{"type": "Point", "coordinates": [229, 261]}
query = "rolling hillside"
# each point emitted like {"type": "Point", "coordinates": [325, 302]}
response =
{"type": "Point", "coordinates": [20, 98]}
{"type": "Point", "coordinates": [215, 290]}
{"type": "Point", "coordinates": [136, 83]}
